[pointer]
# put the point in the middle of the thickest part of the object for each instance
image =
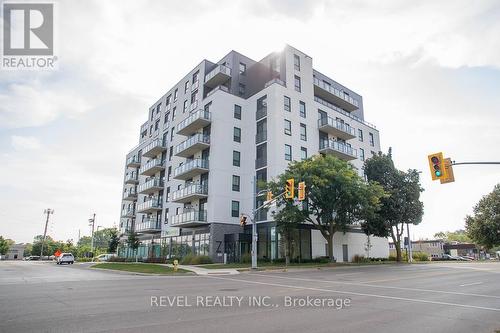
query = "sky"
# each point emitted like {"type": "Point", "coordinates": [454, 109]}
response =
{"type": "Point", "coordinates": [428, 71]}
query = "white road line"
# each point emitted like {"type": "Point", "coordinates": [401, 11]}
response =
{"type": "Point", "coordinates": [383, 287]}
{"type": "Point", "coordinates": [415, 300]}
{"type": "Point", "coordinates": [471, 284]}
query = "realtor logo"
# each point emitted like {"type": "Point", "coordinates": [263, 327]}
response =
{"type": "Point", "coordinates": [28, 29]}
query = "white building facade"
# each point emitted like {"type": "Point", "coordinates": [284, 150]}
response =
{"type": "Point", "coordinates": [223, 126]}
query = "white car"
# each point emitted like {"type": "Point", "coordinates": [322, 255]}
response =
{"type": "Point", "coordinates": [67, 258]}
{"type": "Point", "coordinates": [105, 257]}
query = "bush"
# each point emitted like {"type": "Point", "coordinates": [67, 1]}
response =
{"type": "Point", "coordinates": [392, 257]}
{"type": "Point", "coordinates": [359, 258]}
{"type": "Point", "coordinates": [246, 258]}
{"type": "Point", "coordinates": [420, 256]}
{"type": "Point", "coordinates": [196, 260]}
{"type": "Point", "coordinates": [121, 259]}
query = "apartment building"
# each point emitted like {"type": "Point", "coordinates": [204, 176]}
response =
{"type": "Point", "coordinates": [222, 131]}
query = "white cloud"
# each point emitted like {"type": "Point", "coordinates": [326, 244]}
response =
{"type": "Point", "coordinates": [25, 142]}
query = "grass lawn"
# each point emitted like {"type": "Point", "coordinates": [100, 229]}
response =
{"type": "Point", "coordinates": [138, 268]}
{"type": "Point", "coordinates": [270, 265]}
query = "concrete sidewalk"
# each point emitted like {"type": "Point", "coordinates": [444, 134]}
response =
{"type": "Point", "coordinates": [204, 271]}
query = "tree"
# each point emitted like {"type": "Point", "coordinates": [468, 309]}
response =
{"type": "Point", "coordinates": [484, 226]}
{"type": "Point", "coordinates": [133, 242]}
{"type": "Point", "coordinates": [401, 205]}
{"type": "Point", "coordinates": [113, 241]}
{"type": "Point", "coordinates": [336, 196]}
{"type": "Point", "coordinates": [453, 236]}
{"type": "Point", "coordinates": [5, 245]}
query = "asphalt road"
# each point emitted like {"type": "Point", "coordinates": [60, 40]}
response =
{"type": "Point", "coordinates": [438, 297]}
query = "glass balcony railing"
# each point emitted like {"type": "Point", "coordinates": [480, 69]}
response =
{"type": "Point", "coordinates": [154, 148]}
{"type": "Point", "coordinates": [336, 92]}
{"type": "Point", "coordinates": [130, 193]}
{"type": "Point", "coordinates": [152, 166]}
{"type": "Point", "coordinates": [150, 224]}
{"type": "Point", "coordinates": [339, 147]}
{"type": "Point", "coordinates": [260, 137]}
{"type": "Point", "coordinates": [154, 183]}
{"type": "Point", "coordinates": [219, 69]}
{"type": "Point", "coordinates": [152, 204]}
{"type": "Point", "coordinates": [134, 161]}
{"type": "Point", "coordinates": [189, 191]}
{"type": "Point", "coordinates": [200, 116]}
{"type": "Point", "coordinates": [341, 111]}
{"type": "Point", "coordinates": [128, 213]}
{"type": "Point", "coordinates": [191, 142]}
{"type": "Point", "coordinates": [131, 177]}
{"type": "Point", "coordinates": [192, 217]}
{"type": "Point", "coordinates": [329, 122]}
{"type": "Point", "coordinates": [197, 163]}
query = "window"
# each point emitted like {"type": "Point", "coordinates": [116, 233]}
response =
{"type": "Point", "coordinates": [176, 94]}
{"type": "Point", "coordinates": [361, 154]}
{"type": "Point", "coordinates": [172, 134]}
{"type": "Point", "coordinates": [236, 183]}
{"type": "Point", "coordinates": [195, 77]}
{"type": "Point", "coordinates": [171, 153]}
{"type": "Point", "coordinates": [372, 142]}
{"type": "Point", "coordinates": [237, 134]}
{"type": "Point", "coordinates": [152, 114]}
{"type": "Point", "coordinates": [236, 158]}
{"type": "Point", "coordinates": [235, 208]}
{"type": "Point", "coordinates": [158, 108]}
{"type": "Point", "coordinates": [302, 109]}
{"type": "Point", "coordinates": [185, 106]}
{"type": "Point", "coordinates": [288, 127]}
{"type": "Point", "coordinates": [186, 87]}
{"type": "Point", "coordinates": [286, 103]}
{"type": "Point", "coordinates": [303, 132]}
{"type": "Point", "coordinates": [173, 113]}
{"type": "Point", "coordinates": [193, 96]}
{"type": "Point", "coordinates": [296, 62]}
{"type": "Point", "coordinates": [241, 89]}
{"type": "Point", "coordinates": [288, 152]}
{"type": "Point", "coordinates": [297, 84]}
{"type": "Point", "coordinates": [157, 124]}
{"type": "Point", "coordinates": [237, 112]}
{"type": "Point", "coordinates": [303, 153]}
{"type": "Point", "coordinates": [169, 173]}
{"type": "Point", "coordinates": [360, 134]}
{"type": "Point", "coordinates": [169, 97]}
{"type": "Point", "coordinates": [243, 69]}
{"type": "Point", "coordinates": [166, 117]}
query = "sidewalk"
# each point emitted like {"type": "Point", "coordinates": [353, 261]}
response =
{"type": "Point", "coordinates": [204, 271]}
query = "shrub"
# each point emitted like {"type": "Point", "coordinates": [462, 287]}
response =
{"type": "Point", "coordinates": [246, 258]}
{"type": "Point", "coordinates": [196, 260]}
{"type": "Point", "coordinates": [392, 257]}
{"type": "Point", "coordinates": [155, 260]}
{"type": "Point", "coordinates": [359, 258]}
{"type": "Point", "coordinates": [420, 256]}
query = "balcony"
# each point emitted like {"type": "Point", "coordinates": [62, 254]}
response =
{"type": "Point", "coordinates": [190, 192]}
{"type": "Point", "coordinates": [128, 213]}
{"type": "Point", "coordinates": [131, 178]}
{"type": "Point", "coordinates": [194, 122]}
{"type": "Point", "coordinates": [217, 76]}
{"type": "Point", "coordinates": [190, 219]}
{"type": "Point", "coordinates": [150, 225]}
{"type": "Point", "coordinates": [334, 95]}
{"type": "Point", "coordinates": [150, 206]}
{"type": "Point", "coordinates": [152, 167]}
{"type": "Point", "coordinates": [191, 168]}
{"type": "Point", "coordinates": [338, 149]}
{"type": "Point", "coordinates": [133, 161]}
{"type": "Point", "coordinates": [336, 128]}
{"type": "Point", "coordinates": [192, 145]}
{"type": "Point", "coordinates": [151, 186]}
{"type": "Point", "coordinates": [154, 148]}
{"type": "Point", "coordinates": [130, 194]}
{"type": "Point", "coordinates": [260, 137]}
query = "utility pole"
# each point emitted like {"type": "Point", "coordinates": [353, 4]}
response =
{"type": "Point", "coordinates": [48, 211]}
{"type": "Point", "coordinates": [254, 225]}
{"type": "Point", "coordinates": [410, 255]}
{"type": "Point", "coordinates": [92, 223]}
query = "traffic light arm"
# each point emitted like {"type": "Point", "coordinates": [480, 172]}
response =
{"type": "Point", "coordinates": [462, 163]}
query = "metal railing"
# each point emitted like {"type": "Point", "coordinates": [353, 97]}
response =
{"type": "Point", "coordinates": [148, 224]}
{"type": "Point", "coordinates": [323, 121]}
{"type": "Point", "coordinates": [151, 164]}
{"type": "Point", "coordinates": [153, 144]}
{"type": "Point", "coordinates": [154, 202]}
{"type": "Point", "coordinates": [197, 138]}
{"type": "Point", "coordinates": [133, 159]}
{"type": "Point", "coordinates": [218, 69]}
{"type": "Point", "coordinates": [190, 189]}
{"type": "Point", "coordinates": [192, 164]}
{"type": "Point", "coordinates": [154, 182]}
{"type": "Point", "coordinates": [338, 146]}
{"type": "Point", "coordinates": [131, 176]}
{"type": "Point", "coordinates": [192, 216]}
{"type": "Point", "coordinates": [200, 114]}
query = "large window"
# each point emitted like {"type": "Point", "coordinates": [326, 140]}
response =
{"type": "Point", "coordinates": [236, 183]}
{"type": "Point", "coordinates": [236, 158]}
{"type": "Point", "coordinates": [361, 154]}
{"type": "Point", "coordinates": [360, 134]}
{"type": "Point", "coordinates": [286, 103]}
{"type": "Point", "coordinates": [298, 86]}
{"type": "Point", "coordinates": [303, 132]}
{"type": "Point", "coordinates": [302, 109]}
{"type": "Point", "coordinates": [185, 106]}
{"type": "Point", "coordinates": [237, 111]}
{"type": "Point", "coordinates": [176, 94]}
{"type": "Point", "coordinates": [372, 141]}
{"type": "Point", "coordinates": [186, 87]}
{"type": "Point", "coordinates": [237, 134]}
{"type": "Point", "coordinates": [288, 152]}
{"type": "Point", "coordinates": [235, 208]}
{"type": "Point", "coordinates": [303, 153]}
{"type": "Point", "coordinates": [243, 69]}
{"type": "Point", "coordinates": [296, 62]}
{"type": "Point", "coordinates": [288, 127]}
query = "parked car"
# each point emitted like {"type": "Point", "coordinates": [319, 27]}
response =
{"type": "Point", "coordinates": [67, 258]}
{"type": "Point", "coordinates": [105, 257]}
{"type": "Point", "coordinates": [30, 258]}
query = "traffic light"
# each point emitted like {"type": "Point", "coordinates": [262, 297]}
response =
{"type": "Point", "coordinates": [302, 191]}
{"type": "Point", "coordinates": [290, 189]}
{"type": "Point", "coordinates": [269, 196]}
{"type": "Point", "coordinates": [437, 166]}
{"type": "Point", "coordinates": [243, 220]}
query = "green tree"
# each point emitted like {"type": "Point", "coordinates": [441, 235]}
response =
{"type": "Point", "coordinates": [483, 227]}
{"type": "Point", "coordinates": [336, 196]}
{"type": "Point", "coordinates": [5, 245]}
{"type": "Point", "coordinates": [113, 241]}
{"type": "Point", "coordinates": [49, 246]}
{"type": "Point", "coordinates": [133, 242]}
{"type": "Point", "coordinates": [453, 236]}
{"type": "Point", "coordinates": [400, 205]}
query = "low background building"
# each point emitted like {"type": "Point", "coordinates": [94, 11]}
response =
{"type": "Point", "coordinates": [15, 252]}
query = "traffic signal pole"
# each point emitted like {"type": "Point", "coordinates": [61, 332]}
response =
{"type": "Point", "coordinates": [463, 163]}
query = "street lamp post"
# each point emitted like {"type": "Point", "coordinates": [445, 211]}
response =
{"type": "Point", "coordinates": [92, 223]}
{"type": "Point", "coordinates": [48, 211]}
